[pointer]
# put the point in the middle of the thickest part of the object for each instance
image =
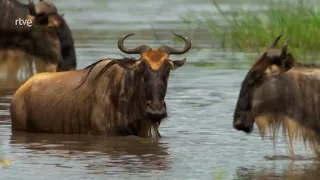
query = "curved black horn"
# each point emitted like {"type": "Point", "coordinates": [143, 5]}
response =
{"type": "Point", "coordinates": [284, 47]}
{"type": "Point", "coordinates": [170, 50]}
{"type": "Point", "coordinates": [32, 8]}
{"type": "Point", "coordinates": [137, 50]}
{"type": "Point", "coordinates": [275, 41]}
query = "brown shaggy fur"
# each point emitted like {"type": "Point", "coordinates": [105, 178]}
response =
{"type": "Point", "coordinates": [280, 92]}
{"type": "Point", "coordinates": [94, 103]}
{"type": "Point", "coordinates": [19, 49]}
{"type": "Point", "coordinates": [48, 43]}
{"type": "Point", "coordinates": [115, 97]}
{"type": "Point", "coordinates": [292, 98]}
{"type": "Point", "coordinates": [100, 92]}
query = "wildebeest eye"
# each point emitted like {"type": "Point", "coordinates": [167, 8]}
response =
{"type": "Point", "coordinates": [145, 76]}
{"type": "Point", "coordinates": [40, 15]}
{"type": "Point", "coordinates": [42, 18]}
{"type": "Point", "coordinates": [167, 69]}
{"type": "Point", "coordinates": [276, 60]}
{"type": "Point", "coordinates": [167, 66]}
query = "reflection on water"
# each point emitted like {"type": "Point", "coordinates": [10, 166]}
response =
{"type": "Point", "coordinates": [198, 138]}
{"type": "Point", "coordinates": [292, 172]}
{"type": "Point", "coordinates": [14, 71]}
{"type": "Point", "coordinates": [97, 154]}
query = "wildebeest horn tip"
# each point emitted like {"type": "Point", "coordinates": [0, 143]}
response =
{"type": "Point", "coordinates": [137, 50]}
{"type": "Point", "coordinates": [32, 9]}
{"type": "Point", "coordinates": [275, 41]}
{"type": "Point", "coordinates": [284, 47]}
{"type": "Point", "coordinates": [170, 50]}
{"type": "Point", "coordinates": [285, 44]}
{"type": "Point", "coordinates": [287, 40]}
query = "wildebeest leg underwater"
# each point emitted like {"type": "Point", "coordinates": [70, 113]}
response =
{"type": "Point", "coordinates": [278, 91]}
{"type": "Point", "coordinates": [114, 97]}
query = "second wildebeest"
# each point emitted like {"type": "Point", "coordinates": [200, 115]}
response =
{"type": "Point", "coordinates": [115, 97]}
{"type": "Point", "coordinates": [278, 91]}
{"type": "Point", "coordinates": [48, 41]}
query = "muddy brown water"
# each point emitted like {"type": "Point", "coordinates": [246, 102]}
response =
{"type": "Point", "coordinates": [198, 139]}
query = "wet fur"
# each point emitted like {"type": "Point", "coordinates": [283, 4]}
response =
{"type": "Point", "coordinates": [10, 10]}
{"type": "Point", "coordinates": [111, 103]}
{"type": "Point", "coordinates": [37, 41]}
{"type": "Point", "coordinates": [69, 59]}
{"type": "Point", "coordinates": [287, 101]}
{"type": "Point", "coordinates": [51, 48]}
{"type": "Point", "coordinates": [91, 66]}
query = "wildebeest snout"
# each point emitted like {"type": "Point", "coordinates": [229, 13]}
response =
{"type": "Point", "coordinates": [156, 107]}
{"type": "Point", "coordinates": [243, 122]}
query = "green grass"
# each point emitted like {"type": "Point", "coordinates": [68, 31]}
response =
{"type": "Point", "coordinates": [219, 175]}
{"type": "Point", "coordinates": [204, 64]}
{"type": "Point", "coordinates": [253, 30]}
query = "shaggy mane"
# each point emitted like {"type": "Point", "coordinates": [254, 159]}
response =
{"type": "Point", "coordinates": [291, 129]}
{"type": "Point", "coordinates": [105, 68]}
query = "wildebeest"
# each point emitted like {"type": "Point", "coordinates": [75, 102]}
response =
{"type": "Point", "coordinates": [48, 41]}
{"type": "Point", "coordinates": [115, 97]}
{"type": "Point", "coordinates": [280, 91]}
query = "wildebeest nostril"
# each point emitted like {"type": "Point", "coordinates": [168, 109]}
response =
{"type": "Point", "coordinates": [148, 103]}
{"type": "Point", "coordinates": [155, 105]}
{"type": "Point", "coordinates": [158, 105]}
{"type": "Point", "coordinates": [238, 122]}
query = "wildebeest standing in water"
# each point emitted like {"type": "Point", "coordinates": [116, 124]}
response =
{"type": "Point", "coordinates": [115, 97]}
{"type": "Point", "coordinates": [280, 91]}
{"type": "Point", "coordinates": [48, 41]}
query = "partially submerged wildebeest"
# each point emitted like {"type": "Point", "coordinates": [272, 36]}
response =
{"type": "Point", "coordinates": [116, 97]}
{"type": "Point", "coordinates": [48, 41]}
{"type": "Point", "coordinates": [280, 91]}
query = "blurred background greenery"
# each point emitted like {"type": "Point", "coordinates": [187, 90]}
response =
{"type": "Point", "coordinates": [252, 28]}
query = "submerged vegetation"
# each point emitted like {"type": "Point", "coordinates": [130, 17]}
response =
{"type": "Point", "coordinates": [252, 28]}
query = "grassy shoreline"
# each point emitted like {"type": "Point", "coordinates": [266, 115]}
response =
{"type": "Point", "coordinates": [253, 30]}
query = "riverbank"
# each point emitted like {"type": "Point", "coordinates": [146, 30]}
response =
{"type": "Point", "coordinates": [252, 29]}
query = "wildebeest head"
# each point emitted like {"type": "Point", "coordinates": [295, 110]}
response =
{"type": "Point", "coordinates": [273, 62]}
{"type": "Point", "coordinates": [154, 66]}
{"type": "Point", "coordinates": [41, 12]}
{"type": "Point", "coordinates": [45, 14]}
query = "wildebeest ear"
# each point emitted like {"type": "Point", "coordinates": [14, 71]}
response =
{"type": "Point", "coordinates": [177, 63]}
{"type": "Point", "coordinates": [288, 62]}
{"type": "Point", "coordinates": [140, 66]}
